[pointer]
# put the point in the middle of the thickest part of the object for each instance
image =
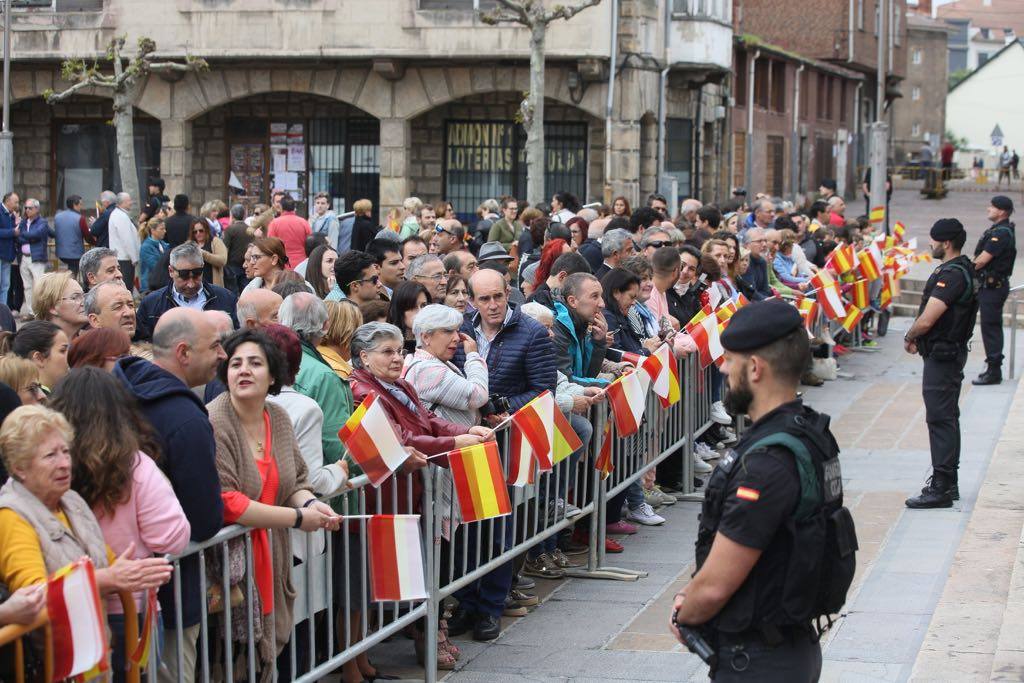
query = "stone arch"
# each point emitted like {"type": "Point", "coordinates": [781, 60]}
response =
{"type": "Point", "coordinates": [28, 85]}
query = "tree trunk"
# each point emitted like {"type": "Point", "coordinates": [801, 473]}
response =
{"type": "Point", "coordinates": [534, 123]}
{"type": "Point", "coordinates": [124, 128]}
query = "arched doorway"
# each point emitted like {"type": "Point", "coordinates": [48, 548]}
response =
{"type": "Point", "coordinates": [301, 143]}
{"type": "Point", "coordinates": [472, 149]}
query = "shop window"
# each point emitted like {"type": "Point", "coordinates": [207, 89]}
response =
{"type": "Point", "coordinates": [85, 153]}
{"type": "Point", "coordinates": [487, 159]}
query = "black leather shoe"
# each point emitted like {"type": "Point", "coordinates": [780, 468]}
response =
{"type": "Point", "coordinates": [487, 628]}
{"type": "Point", "coordinates": [937, 494]}
{"type": "Point", "coordinates": [461, 622]}
{"type": "Point", "coordinates": [994, 375]}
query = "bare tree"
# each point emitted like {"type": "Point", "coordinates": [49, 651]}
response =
{"type": "Point", "coordinates": [533, 15]}
{"type": "Point", "coordinates": [124, 83]}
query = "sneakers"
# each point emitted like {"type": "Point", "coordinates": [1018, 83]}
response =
{"type": "Point", "coordinates": [656, 497]}
{"type": "Point", "coordinates": [543, 567]}
{"type": "Point", "coordinates": [521, 583]}
{"type": "Point", "coordinates": [701, 467]}
{"type": "Point", "coordinates": [840, 350]}
{"type": "Point", "coordinates": [523, 598]}
{"type": "Point", "coordinates": [560, 509]}
{"type": "Point", "coordinates": [719, 415]}
{"type": "Point", "coordinates": [571, 546]}
{"type": "Point", "coordinates": [645, 515]}
{"type": "Point", "coordinates": [570, 509]}
{"type": "Point", "coordinates": [514, 609]}
{"type": "Point", "coordinates": [612, 546]}
{"type": "Point", "coordinates": [704, 451]}
{"type": "Point", "coordinates": [727, 435]}
{"type": "Point", "coordinates": [620, 527]}
{"type": "Point", "coordinates": [561, 561]}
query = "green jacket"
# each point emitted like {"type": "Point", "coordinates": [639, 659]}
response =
{"type": "Point", "coordinates": [317, 380]}
{"type": "Point", "coordinates": [502, 232]}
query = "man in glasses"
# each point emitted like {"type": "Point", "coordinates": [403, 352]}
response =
{"type": "Point", "coordinates": [757, 274]}
{"type": "Point", "coordinates": [428, 270]}
{"type": "Point", "coordinates": [449, 236]}
{"type": "Point", "coordinates": [186, 290]}
{"type": "Point", "coordinates": [357, 277]}
{"type": "Point", "coordinates": [653, 240]}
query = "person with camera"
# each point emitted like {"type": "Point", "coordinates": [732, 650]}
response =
{"type": "Point", "coordinates": [944, 324]}
{"type": "Point", "coordinates": [775, 547]}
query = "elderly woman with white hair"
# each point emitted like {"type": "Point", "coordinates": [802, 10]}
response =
{"type": "Point", "coordinates": [455, 395]}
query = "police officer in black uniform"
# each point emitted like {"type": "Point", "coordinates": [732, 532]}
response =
{"type": "Point", "coordinates": [993, 258]}
{"type": "Point", "coordinates": [761, 552]}
{"type": "Point", "coordinates": [944, 323]}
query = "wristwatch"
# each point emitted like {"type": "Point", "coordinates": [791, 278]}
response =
{"type": "Point", "coordinates": [298, 518]}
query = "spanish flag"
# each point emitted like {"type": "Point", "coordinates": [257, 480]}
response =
{"type": "Point", "coordinates": [841, 260]}
{"type": "Point", "coordinates": [808, 308]}
{"type": "Point", "coordinates": [871, 262]}
{"type": "Point", "coordinates": [536, 422]}
{"type": "Point", "coordinates": [604, 463]}
{"type": "Point", "coordinates": [861, 298]}
{"type": "Point", "coordinates": [145, 647]}
{"type": "Point", "coordinates": [852, 318]}
{"type": "Point", "coordinates": [898, 230]}
{"type": "Point", "coordinates": [371, 440]}
{"type": "Point", "coordinates": [479, 483]}
{"type": "Point", "coordinates": [877, 214]}
{"type": "Point", "coordinates": [663, 370]}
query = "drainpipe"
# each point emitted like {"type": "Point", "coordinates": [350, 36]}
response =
{"type": "Point", "coordinates": [695, 184]}
{"type": "Point", "coordinates": [794, 161]}
{"type": "Point", "coordinates": [849, 34]}
{"type": "Point", "coordinates": [662, 103]}
{"type": "Point", "coordinates": [750, 123]}
{"type": "Point", "coordinates": [858, 159]}
{"type": "Point", "coordinates": [611, 102]}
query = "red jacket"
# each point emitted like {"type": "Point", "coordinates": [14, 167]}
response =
{"type": "Point", "coordinates": [293, 231]}
{"type": "Point", "coordinates": [422, 430]}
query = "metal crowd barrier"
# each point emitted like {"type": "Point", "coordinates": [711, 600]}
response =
{"type": "Point", "coordinates": [1014, 303]}
{"type": "Point", "coordinates": [332, 578]}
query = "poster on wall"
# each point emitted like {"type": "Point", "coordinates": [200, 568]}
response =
{"type": "Point", "coordinates": [296, 157]}
{"type": "Point", "coordinates": [279, 133]}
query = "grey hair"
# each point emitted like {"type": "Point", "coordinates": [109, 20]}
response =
{"type": "Point", "coordinates": [613, 241]}
{"type": "Point", "coordinates": [649, 235]}
{"type": "Point", "coordinates": [238, 212]}
{"type": "Point", "coordinates": [435, 317]}
{"type": "Point", "coordinates": [689, 205]}
{"type": "Point", "coordinates": [834, 200]}
{"type": "Point", "coordinates": [31, 202]}
{"type": "Point", "coordinates": [170, 333]}
{"type": "Point", "coordinates": [305, 313]}
{"type": "Point", "coordinates": [750, 234]}
{"type": "Point", "coordinates": [412, 204]}
{"type": "Point", "coordinates": [123, 197]}
{"type": "Point", "coordinates": [107, 197]}
{"type": "Point", "coordinates": [490, 205]}
{"type": "Point", "coordinates": [589, 215]}
{"type": "Point", "coordinates": [388, 234]}
{"type": "Point", "coordinates": [367, 337]}
{"type": "Point", "coordinates": [91, 301]}
{"type": "Point", "coordinates": [573, 283]}
{"type": "Point", "coordinates": [186, 251]}
{"type": "Point", "coordinates": [537, 311]}
{"type": "Point", "coordinates": [418, 264]}
{"type": "Point", "coordinates": [89, 264]}
{"type": "Point", "coordinates": [675, 234]}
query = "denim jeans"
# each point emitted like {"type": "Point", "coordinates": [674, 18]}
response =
{"type": "Point", "coordinates": [5, 281]}
{"type": "Point", "coordinates": [716, 383]}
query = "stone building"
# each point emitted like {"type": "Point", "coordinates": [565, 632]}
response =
{"type": "Point", "coordinates": [381, 100]}
{"type": "Point", "coordinates": [920, 115]}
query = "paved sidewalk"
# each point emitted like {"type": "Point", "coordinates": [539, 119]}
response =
{"type": "Point", "coordinates": [603, 631]}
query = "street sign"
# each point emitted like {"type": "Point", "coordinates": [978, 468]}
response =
{"type": "Point", "coordinates": [997, 136]}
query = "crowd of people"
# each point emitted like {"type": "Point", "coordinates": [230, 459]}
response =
{"type": "Point", "coordinates": [189, 369]}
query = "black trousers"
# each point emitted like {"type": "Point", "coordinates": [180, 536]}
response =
{"type": "Point", "coordinates": [940, 387]}
{"type": "Point", "coordinates": [797, 659]}
{"type": "Point", "coordinates": [990, 304]}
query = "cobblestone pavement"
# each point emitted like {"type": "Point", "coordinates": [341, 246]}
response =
{"type": "Point", "coordinates": [912, 565]}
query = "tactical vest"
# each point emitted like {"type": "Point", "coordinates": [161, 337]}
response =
{"type": "Point", "coordinates": [955, 326]}
{"type": "Point", "coordinates": [1002, 265]}
{"type": "Point", "coordinates": [820, 532]}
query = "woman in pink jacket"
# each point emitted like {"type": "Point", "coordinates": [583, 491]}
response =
{"type": "Point", "coordinates": [114, 468]}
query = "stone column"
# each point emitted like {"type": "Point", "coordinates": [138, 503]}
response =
{"type": "Point", "coordinates": [395, 137]}
{"type": "Point", "coordinates": [624, 174]}
{"type": "Point", "coordinates": [176, 155]}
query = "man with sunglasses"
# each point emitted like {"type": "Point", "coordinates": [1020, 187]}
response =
{"type": "Point", "coordinates": [357, 278]}
{"type": "Point", "coordinates": [449, 236]}
{"type": "Point", "coordinates": [185, 290]}
{"type": "Point", "coordinates": [653, 240]}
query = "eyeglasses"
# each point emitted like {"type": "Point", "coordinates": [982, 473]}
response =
{"type": "Point", "coordinates": [658, 244]}
{"type": "Point", "coordinates": [253, 258]}
{"type": "Point", "coordinates": [189, 273]}
{"type": "Point", "coordinates": [438, 229]}
{"type": "Point", "coordinates": [35, 388]}
{"type": "Point", "coordinates": [373, 279]}
{"type": "Point", "coordinates": [437, 276]}
{"type": "Point", "coordinates": [74, 298]}
{"type": "Point", "coordinates": [198, 230]}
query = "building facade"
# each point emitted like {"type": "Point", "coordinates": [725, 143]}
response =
{"type": "Point", "coordinates": [379, 100]}
{"type": "Point", "coordinates": [920, 115]}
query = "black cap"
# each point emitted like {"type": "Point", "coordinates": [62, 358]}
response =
{"type": "Point", "coordinates": [946, 229]}
{"type": "Point", "coordinates": [739, 192]}
{"type": "Point", "coordinates": [758, 324]}
{"type": "Point", "coordinates": [156, 182]}
{"type": "Point", "coordinates": [1003, 203]}
{"type": "Point", "coordinates": [830, 183]}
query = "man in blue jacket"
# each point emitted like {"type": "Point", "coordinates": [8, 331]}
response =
{"type": "Point", "coordinates": [186, 351]}
{"type": "Point", "coordinates": [34, 235]}
{"type": "Point", "coordinates": [186, 289]}
{"type": "Point", "coordinates": [581, 331]}
{"type": "Point", "coordinates": [521, 365]}
{"type": "Point", "coordinates": [100, 228]}
{"type": "Point", "coordinates": [8, 241]}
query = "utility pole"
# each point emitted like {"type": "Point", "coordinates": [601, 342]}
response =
{"type": "Point", "coordinates": [880, 129]}
{"type": "Point", "coordinates": [6, 136]}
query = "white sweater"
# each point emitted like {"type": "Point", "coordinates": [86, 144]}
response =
{"type": "Point", "coordinates": [124, 237]}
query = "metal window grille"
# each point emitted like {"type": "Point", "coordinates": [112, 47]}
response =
{"type": "Point", "coordinates": [679, 152]}
{"type": "Point", "coordinates": [344, 161]}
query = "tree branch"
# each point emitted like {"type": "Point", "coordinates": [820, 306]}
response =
{"type": "Point", "coordinates": [194, 65]}
{"type": "Point", "coordinates": [497, 17]}
{"type": "Point", "coordinates": [562, 12]}
{"type": "Point", "coordinates": [55, 97]}
{"type": "Point", "coordinates": [516, 9]}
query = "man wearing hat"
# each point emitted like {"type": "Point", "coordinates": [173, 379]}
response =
{"type": "Point", "coordinates": [944, 323]}
{"type": "Point", "coordinates": [993, 258]}
{"type": "Point", "coordinates": [753, 599]}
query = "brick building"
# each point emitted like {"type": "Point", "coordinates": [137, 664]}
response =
{"type": "Point", "coordinates": [920, 115]}
{"type": "Point", "coordinates": [382, 100]}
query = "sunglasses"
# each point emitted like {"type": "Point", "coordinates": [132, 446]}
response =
{"type": "Point", "coordinates": [198, 230]}
{"type": "Point", "coordinates": [373, 280]}
{"type": "Point", "coordinates": [438, 229]}
{"type": "Point", "coordinates": [658, 244]}
{"type": "Point", "coordinates": [189, 273]}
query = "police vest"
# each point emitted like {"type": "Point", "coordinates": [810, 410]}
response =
{"type": "Point", "coordinates": [1002, 265]}
{"type": "Point", "coordinates": [820, 534]}
{"type": "Point", "coordinates": [955, 326]}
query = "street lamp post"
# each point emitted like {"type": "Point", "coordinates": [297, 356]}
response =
{"type": "Point", "coordinates": [6, 136]}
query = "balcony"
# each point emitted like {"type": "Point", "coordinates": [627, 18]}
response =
{"type": "Point", "coordinates": [700, 36]}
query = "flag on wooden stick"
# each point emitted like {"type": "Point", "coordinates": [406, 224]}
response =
{"type": "Point", "coordinates": [852, 318]}
{"type": "Point", "coordinates": [859, 292]}
{"type": "Point", "coordinates": [841, 260]}
{"type": "Point", "coordinates": [604, 463]}
{"type": "Point", "coordinates": [144, 649]}
{"type": "Point", "coordinates": [536, 422]}
{"type": "Point", "coordinates": [396, 558]}
{"type": "Point", "coordinates": [371, 439]}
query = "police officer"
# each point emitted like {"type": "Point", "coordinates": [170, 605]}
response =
{"type": "Point", "coordinates": [993, 258]}
{"type": "Point", "coordinates": [761, 541]}
{"type": "Point", "coordinates": [944, 323]}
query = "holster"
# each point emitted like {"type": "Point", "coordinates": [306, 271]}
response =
{"type": "Point", "coordinates": [994, 281]}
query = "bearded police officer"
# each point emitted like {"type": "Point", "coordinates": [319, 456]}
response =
{"type": "Point", "coordinates": [993, 259]}
{"type": "Point", "coordinates": [944, 323]}
{"type": "Point", "coordinates": [775, 547]}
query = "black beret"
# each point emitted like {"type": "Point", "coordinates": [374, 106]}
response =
{"type": "Point", "coordinates": [946, 229]}
{"type": "Point", "coordinates": [830, 183]}
{"type": "Point", "coordinates": [760, 323]}
{"type": "Point", "coordinates": [1003, 203]}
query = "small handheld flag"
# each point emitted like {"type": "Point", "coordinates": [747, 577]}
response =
{"type": "Point", "coordinates": [877, 214]}
{"type": "Point", "coordinates": [76, 621]}
{"type": "Point", "coordinates": [536, 422]}
{"type": "Point", "coordinates": [145, 647]}
{"type": "Point", "coordinates": [604, 463]}
{"type": "Point", "coordinates": [479, 484]}
{"type": "Point", "coordinates": [628, 398]}
{"type": "Point", "coordinates": [396, 558]}
{"type": "Point", "coordinates": [828, 295]}
{"type": "Point", "coordinates": [371, 439]}
{"type": "Point", "coordinates": [852, 318]}
{"type": "Point", "coordinates": [520, 467]}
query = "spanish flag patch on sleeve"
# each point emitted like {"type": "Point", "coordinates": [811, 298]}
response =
{"type": "Point", "coordinates": [745, 493]}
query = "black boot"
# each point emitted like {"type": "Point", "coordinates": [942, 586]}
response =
{"type": "Point", "coordinates": [937, 494]}
{"type": "Point", "coordinates": [992, 375]}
